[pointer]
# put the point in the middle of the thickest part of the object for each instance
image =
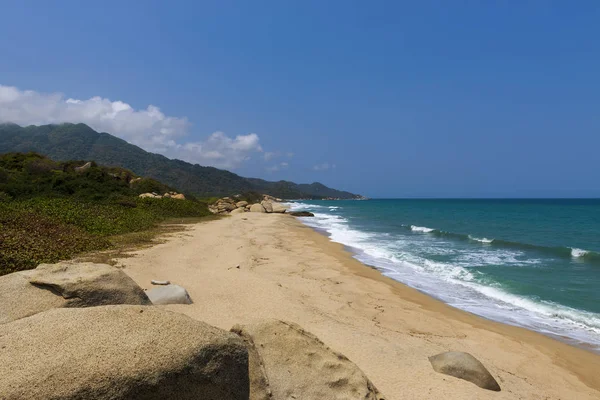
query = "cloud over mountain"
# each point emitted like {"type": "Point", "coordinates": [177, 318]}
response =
{"type": "Point", "coordinates": [148, 128]}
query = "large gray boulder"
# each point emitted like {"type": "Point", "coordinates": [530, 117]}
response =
{"type": "Point", "coordinates": [464, 366]}
{"type": "Point", "coordinates": [49, 286]}
{"type": "Point", "coordinates": [169, 294]}
{"type": "Point", "coordinates": [240, 210]}
{"type": "Point", "coordinates": [257, 208]}
{"type": "Point", "coordinates": [120, 352]}
{"type": "Point", "coordinates": [286, 362]}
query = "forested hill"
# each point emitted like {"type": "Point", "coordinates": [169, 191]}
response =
{"type": "Point", "coordinates": [80, 142]}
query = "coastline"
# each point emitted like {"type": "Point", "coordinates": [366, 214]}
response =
{"type": "Point", "coordinates": [291, 272]}
{"type": "Point", "coordinates": [353, 252]}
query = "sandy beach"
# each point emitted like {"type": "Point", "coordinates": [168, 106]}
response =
{"type": "Point", "coordinates": [252, 266]}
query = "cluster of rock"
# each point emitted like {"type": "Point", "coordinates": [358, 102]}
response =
{"type": "Point", "coordinates": [168, 195]}
{"type": "Point", "coordinates": [78, 331]}
{"type": "Point", "coordinates": [227, 205]}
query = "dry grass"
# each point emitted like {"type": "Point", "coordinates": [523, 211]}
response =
{"type": "Point", "coordinates": [125, 245]}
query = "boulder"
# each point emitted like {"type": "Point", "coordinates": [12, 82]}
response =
{"type": "Point", "coordinates": [267, 205]}
{"type": "Point", "coordinates": [167, 195]}
{"type": "Point", "coordinates": [286, 362]}
{"type": "Point", "coordinates": [150, 196]}
{"type": "Point", "coordinates": [84, 167]}
{"type": "Point", "coordinates": [464, 366]}
{"type": "Point", "coordinates": [226, 206]}
{"type": "Point", "coordinates": [178, 196]}
{"type": "Point", "coordinates": [238, 211]}
{"type": "Point", "coordinates": [20, 299]}
{"type": "Point", "coordinates": [134, 181]}
{"type": "Point", "coordinates": [257, 208]}
{"type": "Point", "coordinates": [301, 214]}
{"type": "Point", "coordinates": [118, 353]}
{"type": "Point", "coordinates": [271, 198]}
{"type": "Point", "coordinates": [278, 208]}
{"type": "Point", "coordinates": [65, 285]}
{"type": "Point", "coordinates": [242, 203]}
{"type": "Point", "coordinates": [169, 294]}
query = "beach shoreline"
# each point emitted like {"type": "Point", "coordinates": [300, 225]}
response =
{"type": "Point", "coordinates": [354, 252]}
{"type": "Point", "coordinates": [289, 271]}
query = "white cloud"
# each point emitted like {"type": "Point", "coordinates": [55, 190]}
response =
{"type": "Point", "coordinates": [219, 149]}
{"type": "Point", "coordinates": [269, 155]}
{"type": "Point", "coordinates": [323, 167]}
{"type": "Point", "coordinates": [277, 167]}
{"type": "Point", "coordinates": [148, 128]}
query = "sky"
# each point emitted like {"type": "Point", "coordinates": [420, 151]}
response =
{"type": "Point", "coordinates": [385, 99]}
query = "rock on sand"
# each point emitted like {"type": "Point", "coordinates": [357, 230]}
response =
{"type": "Point", "coordinates": [169, 294]}
{"type": "Point", "coordinates": [120, 352]}
{"type": "Point", "coordinates": [464, 366]}
{"type": "Point", "coordinates": [257, 208]}
{"type": "Point", "coordinates": [49, 286]}
{"type": "Point", "coordinates": [286, 362]}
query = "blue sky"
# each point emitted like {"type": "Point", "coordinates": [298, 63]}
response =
{"type": "Point", "coordinates": [387, 99]}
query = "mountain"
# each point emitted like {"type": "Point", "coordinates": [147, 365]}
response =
{"type": "Point", "coordinates": [80, 142]}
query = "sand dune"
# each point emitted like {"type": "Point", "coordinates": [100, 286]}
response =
{"type": "Point", "coordinates": [288, 271]}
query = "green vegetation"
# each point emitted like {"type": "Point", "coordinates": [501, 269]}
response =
{"type": "Point", "coordinates": [49, 211]}
{"type": "Point", "coordinates": [79, 141]}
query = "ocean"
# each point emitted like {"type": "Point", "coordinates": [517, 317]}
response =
{"type": "Point", "coordinates": [531, 263]}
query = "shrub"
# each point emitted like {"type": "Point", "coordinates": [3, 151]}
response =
{"type": "Point", "coordinates": [49, 212]}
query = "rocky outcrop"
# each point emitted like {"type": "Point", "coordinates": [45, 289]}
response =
{"type": "Point", "coordinates": [20, 299]}
{"type": "Point", "coordinates": [278, 208]}
{"type": "Point", "coordinates": [228, 205]}
{"type": "Point", "coordinates": [464, 366]}
{"type": "Point", "coordinates": [150, 196]}
{"type": "Point", "coordinates": [267, 205]}
{"type": "Point", "coordinates": [301, 214]}
{"type": "Point", "coordinates": [223, 206]}
{"type": "Point", "coordinates": [169, 294]}
{"type": "Point", "coordinates": [65, 285]}
{"type": "Point", "coordinates": [120, 352]}
{"type": "Point", "coordinates": [286, 362]}
{"type": "Point", "coordinates": [169, 195]}
{"type": "Point", "coordinates": [257, 208]}
{"type": "Point", "coordinates": [271, 198]}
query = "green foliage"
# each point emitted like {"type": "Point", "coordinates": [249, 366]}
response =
{"type": "Point", "coordinates": [49, 211]}
{"type": "Point", "coordinates": [28, 238]}
{"type": "Point", "coordinates": [147, 185]}
{"type": "Point", "coordinates": [251, 197]}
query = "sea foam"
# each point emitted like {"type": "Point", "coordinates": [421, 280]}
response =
{"type": "Point", "coordinates": [576, 253]}
{"type": "Point", "coordinates": [422, 229]}
{"type": "Point", "coordinates": [458, 284]}
{"type": "Point", "coordinates": [481, 240]}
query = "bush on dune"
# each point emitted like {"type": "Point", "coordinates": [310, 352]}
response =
{"type": "Point", "coordinates": [49, 211]}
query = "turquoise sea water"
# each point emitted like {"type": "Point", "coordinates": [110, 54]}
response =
{"type": "Point", "coordinates": [531, 263]}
